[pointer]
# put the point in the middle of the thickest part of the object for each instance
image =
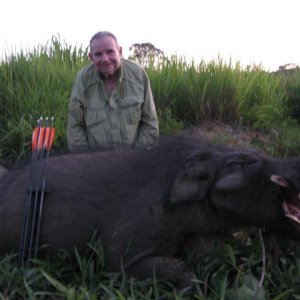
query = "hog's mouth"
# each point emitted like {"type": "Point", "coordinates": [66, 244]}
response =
{"type": "Point", "coordinates": [291, 211]}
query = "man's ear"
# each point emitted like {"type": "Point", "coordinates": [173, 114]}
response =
{"type": "Point", "coordinates": [120, 51]}
{"type": "Point", "coordinates": [90, 56]}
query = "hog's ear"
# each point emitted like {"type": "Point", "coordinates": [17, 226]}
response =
{"type": "Point", "coordinates": [188, 188]}
{"type": "Point", "coordinates": [193, 182]}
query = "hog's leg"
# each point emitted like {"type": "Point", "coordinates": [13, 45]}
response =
{"type": "Point", "coordinates": [166, 268]}
{"type": "Point", "coordinates": [3, 171]}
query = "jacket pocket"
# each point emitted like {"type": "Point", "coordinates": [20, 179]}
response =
{"type": "Point", "coordinates": [94, 117]}
{"type": "Point", "coordinates": [131, 109]}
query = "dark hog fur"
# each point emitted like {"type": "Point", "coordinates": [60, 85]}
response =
{"type": "Point", "coordinates": [145, 203]}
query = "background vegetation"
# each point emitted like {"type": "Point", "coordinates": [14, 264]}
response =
{"type": "Point", "coordinates": [38, 83]}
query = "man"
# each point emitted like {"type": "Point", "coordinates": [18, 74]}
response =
{"type": "Point", "coordinates": [111, 103]}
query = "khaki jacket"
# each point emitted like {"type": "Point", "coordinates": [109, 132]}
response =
{"type": "Point", "coordinates": [125, 118]}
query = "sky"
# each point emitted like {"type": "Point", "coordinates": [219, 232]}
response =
{"type": "Point", "coordinates": [251, 32]}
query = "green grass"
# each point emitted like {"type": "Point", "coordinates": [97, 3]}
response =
{"type": "Point", "coordinates": [219, 91]}
{"type": "Point", "coordinates": [231, 271]}
{"type": "Point", "coordinates": [36, 84]}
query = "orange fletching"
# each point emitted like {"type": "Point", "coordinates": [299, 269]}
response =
{"type": "Point", "coordinates": [42, 138]}
{"type": "Point", "coordinates": [49, 137]}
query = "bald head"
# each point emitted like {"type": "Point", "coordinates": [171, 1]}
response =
{"type": "Point", "coordinates": [102, 35]}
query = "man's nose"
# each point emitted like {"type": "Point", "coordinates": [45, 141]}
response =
{"type": "Point", "coordinates": [104, 57]}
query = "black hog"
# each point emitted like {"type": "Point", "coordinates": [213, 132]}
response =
{"type": "Point", "coordinates": [144, 204]}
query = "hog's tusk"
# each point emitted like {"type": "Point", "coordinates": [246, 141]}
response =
{"type": "Point", "coordinates": [279, 180]}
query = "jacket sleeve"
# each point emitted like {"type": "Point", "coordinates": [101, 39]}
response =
{"type": "Point", "coordinates": [148, 133]}
{"type": "Point", "coordinates": [76, 129]}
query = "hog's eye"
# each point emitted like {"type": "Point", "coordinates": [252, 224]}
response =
{"type": "Point", "coordinates": [234, 165]}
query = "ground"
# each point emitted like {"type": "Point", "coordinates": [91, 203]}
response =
{"type": "Point", "coordinates": [233, 135]}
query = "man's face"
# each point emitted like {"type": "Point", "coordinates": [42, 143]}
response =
{"type": "Point", "coordinates": [105, 54]}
